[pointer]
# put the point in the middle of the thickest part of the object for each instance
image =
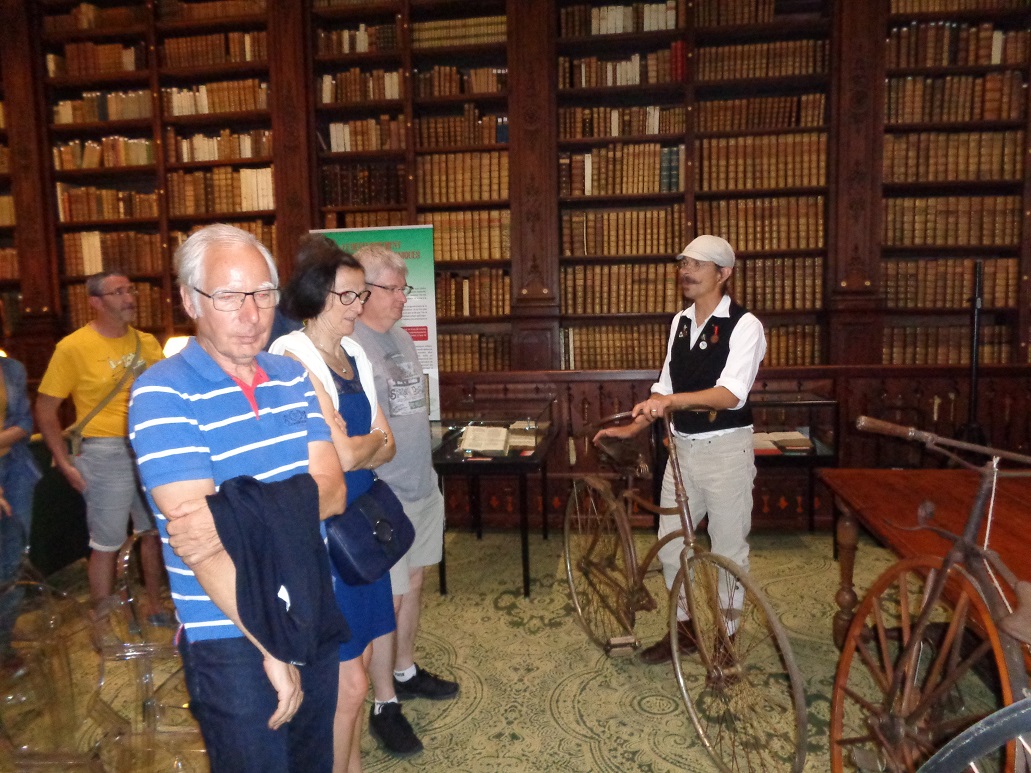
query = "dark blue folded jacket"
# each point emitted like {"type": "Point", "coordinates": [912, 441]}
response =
{"type": "Point", "coordinates": [284, 593]}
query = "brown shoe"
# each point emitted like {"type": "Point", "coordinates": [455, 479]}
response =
{"type": "Point", "coordinates": [662, 650]}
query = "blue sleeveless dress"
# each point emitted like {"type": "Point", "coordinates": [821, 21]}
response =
{"type": "Point", "coordinates": [368, 609]}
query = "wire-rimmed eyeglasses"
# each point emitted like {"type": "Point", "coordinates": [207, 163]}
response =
{"type": "Point", "coordinates": [347, 297]}
{"type": "Point", "coordinates": [228, 300]}
{"type": "Point", "coordinates": [405, 290]}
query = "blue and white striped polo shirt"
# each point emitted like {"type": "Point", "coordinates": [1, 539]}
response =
{"type": "Point", "coordinates": [189, 420]}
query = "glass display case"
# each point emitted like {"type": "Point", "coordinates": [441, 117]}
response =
{"type": "Point", "coordinates": [494, 428]}
{"type": "Point", "coordinates": [794, 424]}
{"type": "Point", "coordinates": [497, 436]}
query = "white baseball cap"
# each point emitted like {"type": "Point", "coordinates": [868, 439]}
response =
{"type": "Point", "coordinates": [710, 248]}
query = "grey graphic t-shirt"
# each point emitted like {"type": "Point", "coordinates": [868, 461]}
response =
{"type": "Point", "coordinates": [401, 391]}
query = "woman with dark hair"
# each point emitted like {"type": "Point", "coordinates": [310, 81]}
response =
{"type": "Point", "coordinates": [18, 477]}
{"type": "Point", "coordinates": [327, 290]}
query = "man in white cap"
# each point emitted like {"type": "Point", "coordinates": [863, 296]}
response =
{"type": "Point", "coordinates": [714, 351]}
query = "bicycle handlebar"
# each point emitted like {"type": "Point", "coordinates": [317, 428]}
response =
{"type": "Point", "coordinates": [870, 424]}
{"type": "Point", "coordinates": [935, 442]}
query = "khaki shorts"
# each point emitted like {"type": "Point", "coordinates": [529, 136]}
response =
{"type": "Point", "coordinates": [427, 515]}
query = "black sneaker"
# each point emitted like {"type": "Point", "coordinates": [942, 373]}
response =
{"type": "Point", "coordinates": [425, 685]}
{"type": "Point", "coordinates": [392, 730]}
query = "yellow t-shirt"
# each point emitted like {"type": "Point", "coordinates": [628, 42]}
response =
{"type": "Point", "coordinates": [87, 365]}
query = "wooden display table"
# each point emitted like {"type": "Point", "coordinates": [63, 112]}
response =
{"type": "Point", "coordinates": [883, 500]}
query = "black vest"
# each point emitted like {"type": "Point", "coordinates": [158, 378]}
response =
{"type": "Point", "coordinates": [692, 369]}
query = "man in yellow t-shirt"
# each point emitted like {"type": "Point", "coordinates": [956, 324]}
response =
{"type": "Point", "coordinates": [86, 366]}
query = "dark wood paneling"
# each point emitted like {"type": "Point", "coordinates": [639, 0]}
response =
{"type": "Point", "coordinates": [288, 56]}
{"type": "Point", "coordinates": [533, 183]}
{"type": "Point", "coordinates": [900, 394]}
{"type": "Point", "coordinates": [30, 179]}
{"type": "Point", "coordinates": [855, 179]}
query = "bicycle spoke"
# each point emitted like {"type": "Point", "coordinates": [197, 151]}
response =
{"type": "Point", "coordinates": [742, 702]}
{"type": "Point", "coordinates": [597, 564]}
{"type": "Point", "coordinates": [911, 672]}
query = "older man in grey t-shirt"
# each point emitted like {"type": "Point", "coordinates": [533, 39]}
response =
{"type": "Point", "coordinates": [401, 390]}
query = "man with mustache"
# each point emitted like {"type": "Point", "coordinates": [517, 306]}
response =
{"type": "Point", "coordinates": [86, 366]}
{"type": "Point", "coordinates": [714, 351]}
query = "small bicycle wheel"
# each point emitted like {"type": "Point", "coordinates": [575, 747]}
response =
{"type": "Point", "coordinates": [599, 562]}
{"type": "Point", "coordinates": [981, 746]}
{"type": "Point", "coordinates": [901, 692]}
{"type": "Point", "coordinates": [743, 689]}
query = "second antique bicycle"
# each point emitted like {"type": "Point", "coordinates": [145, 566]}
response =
{"type": "Point", "coordinates": [742, 689]}
{"type": "Point", "coordinates": [935, 646]}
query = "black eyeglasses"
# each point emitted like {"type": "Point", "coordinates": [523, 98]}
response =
{"type": "Point", "coordinates": [405, 290]}
{"type": "Point", "coordinates": [226, 300]}
{"type": "Point", "coordinates": [347, 297]}
{"type": "Point", "coordinates": [121, 292]}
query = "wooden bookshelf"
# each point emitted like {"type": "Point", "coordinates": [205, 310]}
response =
{"type": "Point", "coordinates": [954, 169]}
{"type": "Point", "coordinates": [625, 166]}
{"type": "Point", "coordinates": [8, 218]}
{"type": "Point", "coordinates": [728, 135]}
{"type": "Point", "coordinates": [412, 127]}
{"type": "Point", "coordinates": [104, 179]}
{"type": "Point", "coordinates": [362, 99]}
{"type": "Point", "coordinates": [762, 74]}
{"type": "Point", "coordinates": [461, 163]}
{"type": "Point", "coordinates": [821, 138]}
{"type": "Point", "coordinates": [159, 122]}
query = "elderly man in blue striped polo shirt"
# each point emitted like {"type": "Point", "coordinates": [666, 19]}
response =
{"type": "Point", "coordinates": [220, 409]}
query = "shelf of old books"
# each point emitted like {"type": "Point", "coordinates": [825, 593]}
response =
{"type": "Point", "coordinates": [103, 148]}
{"type": "Point", "coordinates": [954, 171]}
{"type": "Point", "coordinates": [936, 339]}
{"type": "Point", "coordinates": [214, 78]}
{"type": "Point", "coordinates": [460, 159]}
{"type": "Point", "coordinates": [8, 252]}
{"type": "Point", "coordinates": [358, 69]}
{"type": "Point", "coordinates": [488, 350]}
{"type": "Point", "coordinates": [473, 294]}
{"type": "Point", "coordinates": [628, 345]}
{"type": "Point", "coordinates": [361, 114]}
{"type": "Point", "coordinates": [761, 149]}
{"type": "Point", "coordinates": [364, 10]}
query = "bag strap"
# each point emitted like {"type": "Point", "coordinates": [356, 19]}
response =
{"type": "Point", "coordinates": [129, 370]}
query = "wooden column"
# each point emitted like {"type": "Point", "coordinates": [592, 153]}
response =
{"type": "Point", "coordinates": [857, 125]}
{"type": "Point", "coordinates": [292, 133]}
{"type": "Point", "coordinates": [533, 184]}
{"type": "Point", "coordinates": [35, 234]}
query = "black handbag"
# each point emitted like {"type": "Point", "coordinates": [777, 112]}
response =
{"type": "Point", "coordinates": [370, 536]}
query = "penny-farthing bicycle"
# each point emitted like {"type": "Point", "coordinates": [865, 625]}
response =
{"type": "Point", "coordinates": [742, 689]}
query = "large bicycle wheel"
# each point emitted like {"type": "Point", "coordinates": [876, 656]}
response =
{"type": "Point", "coordinates": [743, 688]}
{"type": "Point", "coordinates": [599, 561]}
{"type": "Point", "coordinates": [982, 746]}
{"type": "Point", "coordinates": [901, 692]}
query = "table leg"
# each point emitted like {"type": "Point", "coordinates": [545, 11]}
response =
{"type": "Point", "coordinates": [846, 599]}
{"type": "Point", "coordinates": [442, 566]}
{"type": "Point", "coordinates": [524, 532]}
{"type": "Point", "coordinates": [544, 498]}
{"type": "Point", "coordinates": [809, 489]}
{"type": "Point", "coordinates": [474, 504]}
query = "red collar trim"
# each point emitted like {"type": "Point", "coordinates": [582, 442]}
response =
{"type": "Point", "coordinates": [260, 377]}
